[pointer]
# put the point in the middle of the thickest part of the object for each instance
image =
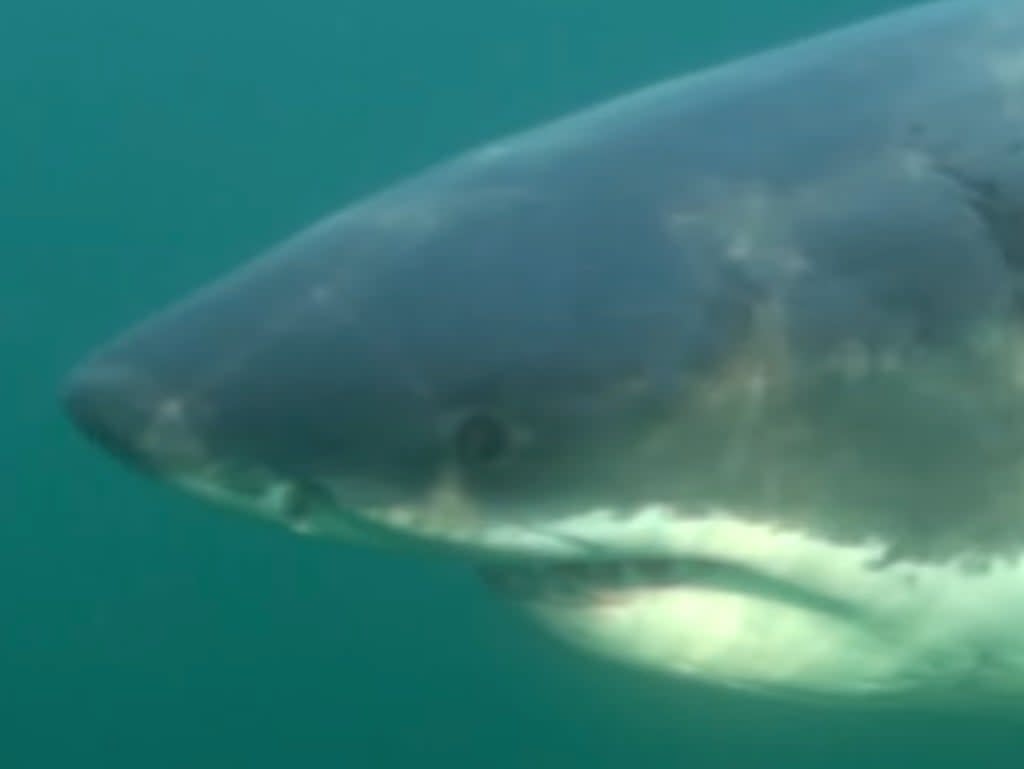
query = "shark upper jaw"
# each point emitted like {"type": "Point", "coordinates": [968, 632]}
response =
{"type": "Point", "coordinates": [583, 556]}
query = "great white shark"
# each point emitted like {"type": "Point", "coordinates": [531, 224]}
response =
{"type": "Point", "coordinates": [723, 378]}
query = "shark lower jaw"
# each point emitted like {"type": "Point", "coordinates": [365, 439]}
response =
{"type": "Point", "coordinates": [714, 595]}
{"type": "Point", "coordinates": [716, 623]}
{"type": "Point", "coordinates": [707, 620]}
{"type": "Point", "coordinates": [725, 598]}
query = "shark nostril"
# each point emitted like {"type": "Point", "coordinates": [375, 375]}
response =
{"type": "Point", "coordinates": [481, 439]}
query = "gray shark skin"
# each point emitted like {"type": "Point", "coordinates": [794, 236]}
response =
{"type": "Point", "coordinates": [724, 378]}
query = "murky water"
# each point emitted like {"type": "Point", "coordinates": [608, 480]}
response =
{"type": "Point", "coordinates": [145, 148]}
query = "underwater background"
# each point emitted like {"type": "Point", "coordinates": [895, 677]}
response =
{"type": "Point", "coordinates": [148, 147]}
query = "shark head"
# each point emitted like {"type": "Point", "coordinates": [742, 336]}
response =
{"type": "Point", "coordinates": [591, 418]}
{"type": "Point", "coordinates": [675, 416]}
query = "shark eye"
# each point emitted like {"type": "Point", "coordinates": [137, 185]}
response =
{"type": "Point", "coordinates": [481, 439]}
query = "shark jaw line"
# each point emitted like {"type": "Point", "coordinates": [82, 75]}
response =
{"type": "Point", "coordinates": [723, 599]}
{"type": "Point", "coordinates": [711, 595]}
{"type": "Point", "coordinates": [717, 596]}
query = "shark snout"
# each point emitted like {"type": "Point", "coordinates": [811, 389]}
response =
{"type": "Point", "coordinates": [126, 413]}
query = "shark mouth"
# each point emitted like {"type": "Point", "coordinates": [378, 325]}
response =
{"type": "Point", "coordinates": [576, 581]}
{"type": "Point", "coordinates": [715, 595]}
{"type": "Point", "coordinates": [595, 556]}
{"type": "Point", "coordinates": [720, 597]}
{"type": "Point", "coordinates": [560, 563]}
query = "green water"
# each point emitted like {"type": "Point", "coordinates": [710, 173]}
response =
{"type": "Point", "coordinates": [145, 148]}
